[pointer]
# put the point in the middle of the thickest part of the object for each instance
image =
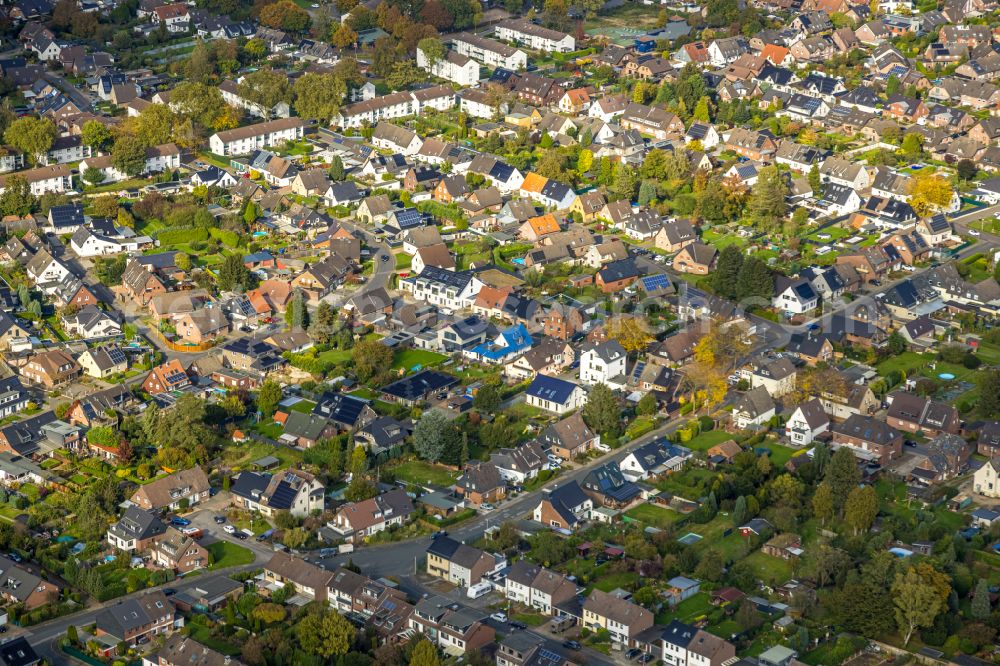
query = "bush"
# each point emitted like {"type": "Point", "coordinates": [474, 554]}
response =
{"type": "Point", "coordinates": [971, 361]}
{"type": "Point", "coordinates": [706, 423]}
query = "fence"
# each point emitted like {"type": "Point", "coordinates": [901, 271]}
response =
{"type": "Point", "coordinates": [185, 348]}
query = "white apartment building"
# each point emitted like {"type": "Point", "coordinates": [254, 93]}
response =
{"type": "Point", "coordinates": [57, 178]}
{"type": "Point", "coordinates": [535, 37]}
{"type": "Point", "coordinates": [489, 51]}
{"type": "Point", "coordinates": [244, 140]}
{"type": "Point", "coordinates": [454, 67]}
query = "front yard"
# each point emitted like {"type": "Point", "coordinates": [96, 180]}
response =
{"type": "Point", "coordinates": [225, 554]}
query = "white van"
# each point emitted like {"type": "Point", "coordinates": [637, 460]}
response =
{"type": "Point", "coordinates": [479, 589]}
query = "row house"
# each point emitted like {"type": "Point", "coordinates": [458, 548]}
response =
{"type": "Point", "coordinates": [537, 587]}
{"type": "Point", "coordinates": [456, 629]}
{"type": "Point", "coordinates": [459, 563]}
{"type": "Point", "coordinates": [159, 159]}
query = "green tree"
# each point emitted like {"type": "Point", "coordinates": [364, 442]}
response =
{"type": "Point", "coordinates": [433, 49]}
{"type": "Point", "coordinates": [268, 397]}
{"type": "Point", "coordinates": [701, 110]}
{"type": "Point", "coordinates": [647, 405]}
{"type": "Point", "coordinates": [31, 135]}
{"type": "Point", "coordinates": [429, 435]}
{"type": "Point", "coordinates": [842, 475]}
{"type": "Point", "coordinates": [861, 508]}
{"type": "Point", "coordinates": [822, 503]}
{"type": "Point", "coordinates": [337, 172]}
{"type": "Point", "coordinates": [93, 176]}
{"type": "Point", "coordinates": [917, 603]}
{"type": "Point", "coordinates": [319, 96]}
{"type": "Point", "coordinates": [966, 169]}
{"type": "Point", "coordinates": [96, 135]}
{"type": "Point", "coordinates": [767, 198]}
{"type": "Point", "coordinates": [711, 566]}
{"type": "Point", "coordinates": [487, 398]}
{"type": "Point", "coordinates": [233, 274]}
{"type": "Point", "coordinates": [602, 412]}
{"type": "Point", "coordinates": [129, 155]}
{"type": "Point", "coordinates": [626, 180]}
{"type": "Point", "coordinates": [425, 654]}
{"type": "Point", "coordinates": [647, 192]}
{"type": "Point", "coordinates": [814, 180]}
{"type": "Point", "coordinates": [740, 510]}
{"type": "Point", "coordinates": [981, 607]}
{"type": "Point", "coordinates": [754, 281]}
{"type": "Point", "coordinates": [17, 198]}
{"type": "Point", "coordinates": [727, 270]}
{"type": "Point", "coordinates": [265, 88]}
{"type": "Point", "coordinates": [585, 161]}
{"type": "Point", "coordinates": [989, 393]}
{"type": "Point", "coordinates": [370, 358]}
{"type": "Point", "coordinates": [913, 146]}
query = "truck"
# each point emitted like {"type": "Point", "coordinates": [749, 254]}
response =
{"type": "Point", "coordinates": [345, 548]}
{"type": "Point", "coordinates": [193, 532]}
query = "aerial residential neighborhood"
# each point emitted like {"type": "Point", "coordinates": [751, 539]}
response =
{"type": "Point", "coordinates": [531, 334]}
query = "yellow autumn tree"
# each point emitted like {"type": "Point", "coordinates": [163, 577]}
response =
{"type": "Point", "coordinates": [630, 332]}
{"type": "Point", "coordinates": [929, 193]}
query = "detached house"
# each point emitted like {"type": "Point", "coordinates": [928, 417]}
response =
{"type": "Point", "coordinates": [173, 492]}
{"type": "Point", "coordinates": [622, 619]}
{"type": "Point", "coordinates": [458, 563]}
{"type": "Point", "coordinates": [358, 520]}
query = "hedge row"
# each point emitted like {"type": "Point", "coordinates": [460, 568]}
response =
{"type": "Point", "coordinates": [228, 238]}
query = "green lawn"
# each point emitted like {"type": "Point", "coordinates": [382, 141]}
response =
{"type": "Point", "coordinates": [771, 570]}
{"type": "Point", "coordinates": [989, 353]}
{"type": "Point", "coordinates": [707, 440]}
{"type": "Point", "coordinates": [410, 358]}
{"type": "Point", "coordinates": [779, 454]}
{"type": "Point", "coordinates": [905, 362]}
{"type": "Point", "coordinates": [623, 579]}
{"type": "Point", "coordinates": [335, 356]}
{"type": "Point", "coordinates": [835, 233]}
{"type": "Point", "coordinates": [653, 516]}
{"type": "Point", "coordinates": [225, 554]}
{"type": "Point", "coordinates": [723, 240]}
{"type": "Point", "coordinates": [422, 473]}
{"type": "Point", "coordinates": [303, 406]}
{"type": "Point", "coordinates": [688, 610]}
{"type": "Point", "coordinates": [403, 261]}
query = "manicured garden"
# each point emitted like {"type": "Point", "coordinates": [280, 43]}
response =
{"type": "Point", "coordinates": [653, 516]}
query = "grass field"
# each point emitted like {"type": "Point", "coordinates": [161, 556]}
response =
{"type": "Point", "coordinates": [653, 516]}
{"type": "Point", "coordinates": [410, 358]}
{"type": "Point", "coordinates": [707, 440]}
{"type": "Point", "coordinates": [623, 579]}
{"type": "Point", "coordinates": [779, 454]}
{"type": "Point", "coordinates": [225, 554]}
{"type": "Point", "coordinates": [771, 570]}
{"type": "Point", "coordinates": [688, 610]}
{"type": "Point", "coordinates": [422, 473]}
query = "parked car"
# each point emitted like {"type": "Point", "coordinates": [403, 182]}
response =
{"type": "Point", "coordinates": [229, 529]}
{"type": "Point", "coordinates": [499, 617]}
{"type": "Point", "coordinates": [553, 458]}
{"type": "Point", "coordinates": [177, 521]}
{"type": "Point", "coordinates": [633, 653]}
{"type": "Point", "coordinates": [514, 624]}
{"type": "Point", "coordinates": [572, 645]}
{"type": "Point", "coordinates": [242, 536]}
{"type": "Point", "coordinates": [486, 506]}
{"type": "Point", "coordinates": [220, 519]}
{"type": "Point", "coordinates": [602, 447]}
{"type": "Point", "coordinates": [439, 533]}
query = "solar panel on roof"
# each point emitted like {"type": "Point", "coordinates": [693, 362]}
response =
{"type": "Point", "coordinates": [283, 496]}
{"type": "Point", "coordinates": [116, 355]}
{"type": "Point", "coordinates": [176, 377]}
{"type": "Point", "coordinates": [654, 282]}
